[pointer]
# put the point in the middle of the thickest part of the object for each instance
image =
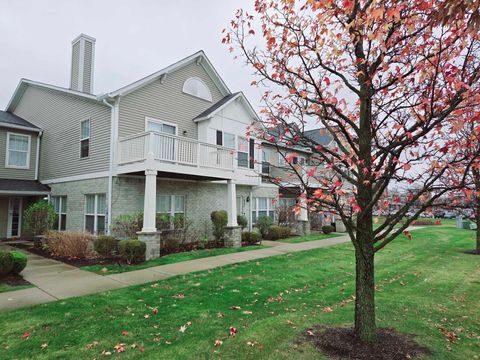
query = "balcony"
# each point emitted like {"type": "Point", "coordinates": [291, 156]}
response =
{"type": "Point", "coordinates": [175, 155]}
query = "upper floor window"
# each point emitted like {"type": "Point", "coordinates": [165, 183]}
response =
{"type": "Point", "coordinates": [196, 87]}
{"type": "Point", "coordinates": [18, 151]}
{"type": "Point", "coordinates": [265, 161]}
{"type": "Point", "coordinates": [85, 138]}
{"type": "Point", "coordinates": [225, 139]}
{"type": "Point", "coordinates": [242, 152]}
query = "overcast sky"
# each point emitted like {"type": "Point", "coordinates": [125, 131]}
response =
{"type": "Point", "coordinates": [134, 38]}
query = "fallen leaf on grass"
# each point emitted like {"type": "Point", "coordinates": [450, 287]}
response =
{"type": "Point", "coordinates": [26, 335]}
{"type": "Point", "coordinates": [155, 311]}
{"type": "Point", "coordinates": [247, 312]}
{"type": "Point", "coordinates": [235, 308]}
{"type": "Point", "coordinates": [106, 353]}
{"type": "Point", "coordinates": [44, 346]}
{"type": "Point", "coordinates": [327, 309]}
{"type": "Point", "coordinates": [179, 296]}
{"type": "Point", "coordinates": [218, 343]}
{"type": "Point", "coordinates": [182, 329]}
{"type": "Point", "coordinates": [220, 315]}
{"type": "Point", "coordinates": [124, 333]}
{"type": "Point", "coordinates": [233, 331]}
{"type": "Point", "coordinates": [310, 333]}
{"type": "Point", "coordinates": [119, 348]}
{"type": "Point", "coordinates": [146, 316]}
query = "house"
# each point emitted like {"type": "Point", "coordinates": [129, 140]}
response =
{"type": "Point", "coordinates": [172, 142]}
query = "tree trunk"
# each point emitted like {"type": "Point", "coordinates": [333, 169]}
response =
{"type": "Point", "coordinates": [365, 327]}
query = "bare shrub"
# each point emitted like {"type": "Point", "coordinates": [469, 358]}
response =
{"type": "Point", "coordinates": [70, 244]}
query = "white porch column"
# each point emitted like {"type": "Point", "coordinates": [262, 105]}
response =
{"type": "Point", "coordinates": [150, 201]}
{"type": "Point", "coordinates": [302, 200]}
{"type": "Point", "coordinates": [231, 203]}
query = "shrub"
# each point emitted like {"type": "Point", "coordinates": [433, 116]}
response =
{"type": "Point", "coordinates": [126, 226]}
{"type": "Point", "coordinates": [6, 263]}
{"type": "Point", "coordinates": [219, 220]}
{"type": "Point", "coordinates": [70, 244]}
{"type": "Point", "coordinates": [424, 222]}
{"type": "Point", "coordinates": [19, 261]}
{"type": "Point", "coordinates": [327, 229]}
{"type": "Point", "coordinates": [263, 224]}
{"type": "Point", "coordinates": [251, 238]}
{"type": "Point", "coordinates": [163, 221]}
{"type": "Point", "coordinates": [242, 221]}
{"type": "Point", "coordinates": [133, 251]}
{"type": "Point", "coordinates": [39, 217]}
{"type": "Point", "coordinates": [104, 245]}
{"type": "Point", "coordinates": [278, 232]}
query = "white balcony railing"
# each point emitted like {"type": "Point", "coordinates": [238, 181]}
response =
{"type": "Point", "coordinates": [174, 150]}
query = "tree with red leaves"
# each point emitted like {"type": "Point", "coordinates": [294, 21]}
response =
{"type": "Point", "coordinates": [389, 83]}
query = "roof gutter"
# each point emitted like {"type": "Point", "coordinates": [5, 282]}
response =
{"type": "Point", "coordinates": [37, 155]}
{"type": "Point", "coordinates": [19, 127]}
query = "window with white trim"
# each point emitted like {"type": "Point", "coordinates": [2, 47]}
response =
{"type": "Point", "coordinates": [95, 209]}
{"type": "Point", "coordinates": [160, 126]}
{"type": "Point", "coordinates": [242, 152]}
{"type": "Point", "coordinates": [85, 138]}
{"type": "Point", "coordinates": [265, 161]}
{"type": "Point", "coordinates": [196, 87]}
{"type": "Point", "coordinates": [60, 206]}
{"type": "Point", "coordinates": [287, 202]}
{"type": "Point", "coordinates": [263, 206]}
{"type": "Point", "coordinates": [174, 207]}
{"type": "Point", "coordinates": [225, 139]}
{"type": "Point", "coordinates": [18, 151]}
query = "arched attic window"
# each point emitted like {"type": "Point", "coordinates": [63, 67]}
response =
{"type": "Point", "coordinates": [196, 87]}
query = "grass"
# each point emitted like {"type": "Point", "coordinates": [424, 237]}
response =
{"type": "Point", "coordinates": [426, 286]}
{"type": "Point", "coordinates": [168, 259]}
{"type": "Point", "coordinates": [5, 287]}
{"type": "Point", "coordinates": [312, 237]}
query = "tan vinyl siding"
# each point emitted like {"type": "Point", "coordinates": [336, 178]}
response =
{"type": "Point", "coordinates": [18, 174]}
{"type": "Point", "coordinates": [59, 116]}
{"type": "Point", "coordinates": [166, 101]}
{"type": "Point", "coordinates": [75, 66]}
{"type": "Point", "coordinates": [87, 67]}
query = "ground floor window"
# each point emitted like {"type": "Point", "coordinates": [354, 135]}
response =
{"type": "Point", "coordinates": [263, 206]}
{"type": "Point", "coordinates": [171, 211]}
{"type": "Point", "coordinates": [95, 209]}
{"type": "Point", "coordinates": [60, 206]}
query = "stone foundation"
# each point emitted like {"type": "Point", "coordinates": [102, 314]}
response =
{"type": "Point", "coordinates": [152, 239]}
{"type": "Point", "coordinates": [302, 228]}
{"type": "Point", "coordinates": [233, 236]}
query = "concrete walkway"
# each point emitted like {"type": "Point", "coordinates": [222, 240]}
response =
{"type": "Point", "coordinates": [55, 280]}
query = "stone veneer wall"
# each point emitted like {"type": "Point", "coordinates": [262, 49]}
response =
{"type": "Point", "coordinates": [201, 198]}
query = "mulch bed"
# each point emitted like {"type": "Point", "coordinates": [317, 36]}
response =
{"type": "Point", "coordinates": [115, 260]}
{"type": "Point", "coordinates": [472, 252]}
{"type": "Point", "coordinates": [341, 343]}
{"type": "Point", "coordinates": [14, 280]}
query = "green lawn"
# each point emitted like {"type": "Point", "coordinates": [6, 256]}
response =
{"type": "Point", "coordinates": [312, 237]}
{"type": "Point", "coordinates": [168, 259]}
{"type": "Point", "coordinates": [5, 287]}
{"type": "Point", "coordinates": [426, 286]}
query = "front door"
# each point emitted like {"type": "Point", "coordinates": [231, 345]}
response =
{"type": "Point", "coordinates": [14, 225]}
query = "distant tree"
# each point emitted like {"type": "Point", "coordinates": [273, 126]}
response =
{"type": "Point", "coordinates": [388, 83]}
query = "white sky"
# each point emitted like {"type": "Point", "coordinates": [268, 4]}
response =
{"type": "Point", "coordinates": [134, 38]}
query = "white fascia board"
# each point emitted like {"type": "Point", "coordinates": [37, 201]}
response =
{"type": "Point", "coordinates": [102, 174]}
{"type": "Point", "coordinates": [13, 192]}
{"type": "Point", "coordinates": [19, 127]}
{"type": "Point", "coordinates": [238, 96]}
{"type": "Point", "coordinates": [156, 75]}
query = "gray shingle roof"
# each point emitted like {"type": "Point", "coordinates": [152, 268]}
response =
{"type": "Point", "coordinates": [11, 119]}
{"type": "Point", "coordinates": [319, 136]}
{"type": "Point", "coordinates": [33, 186]}
{"type": "Point", "coordinates": [215, 106]}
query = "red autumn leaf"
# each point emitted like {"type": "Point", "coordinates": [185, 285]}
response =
{"type": "Point", "coordinates": [26, 335]}
{"type": "Point", "coordinates": [233, 331]}
{"type": "Point", "coordinates": [125, 333]}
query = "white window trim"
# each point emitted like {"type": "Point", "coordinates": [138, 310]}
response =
{"type": "Point", "coordinates": [95, 214]}
{"type": "Point", "coordinates": [210, 97]}
{"type": "Point", "coordinates": [85, 138]}
{"type": "Point", "coordinates": [7, 157]}
{"type": "Point", "coordinates": [149, 119]}
{"type": "Point", "coordinates": [60, 213]}
{"type": "Point", "coordinates": [243, 152]}
{"type": "Point", "coordinates": [282, 162]}
{"type": "Point", "coordinates": [172, 211]}
{"type": "Point", "coordinates": [269, 203]}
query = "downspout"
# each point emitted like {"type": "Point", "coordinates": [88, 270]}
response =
{"type": "Point", "coordinates": [37, 156]}
{"type": "Point", "coordinates": [110, 166]}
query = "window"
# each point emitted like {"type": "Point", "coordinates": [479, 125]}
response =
{"type": "Point", "coordinates": [60, 206]}
{"type": "Point", "coordinates": [174, 207]}
{"type": "Point", "coordinates": [85, 138]}
{"type": "Point", "coordinates": [265, 161]}
{"type": "Point", "coordinates": [18, 151]}
{"type": "Point", "coordinates": [242, 152]}
{"type": "Point", "coordinates": [287, 202]}
{"type": "Point", "coordinates": [95, 209]}
{"type": "Point", "coordinates": [196, 87]}
{"type": "Point", "coordinates": [160, 126]}
{"type": "Point", "coordinates": [225, 139]}
{"type": "Point", "coordinates": [281, 160]}
{"type": "Point", "coordinates": [263, 206]}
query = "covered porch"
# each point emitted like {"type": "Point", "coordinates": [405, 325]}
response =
{"type": "Point", "coordinates": [15, 197]}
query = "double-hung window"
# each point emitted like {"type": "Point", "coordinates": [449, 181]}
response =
{"type": "Point", "coordinates": [18, 151]}
{"type": "Point", "coordinates": [85, 138]}
{"type": "Point", "coordinates": [95, 209]}
{"type": "Point", "coordinates": [60, 206]}
{"type": "Point", "coordinates": [225, 139]}
{"type": "Point", "coordinates": [173, 206]}
{"type": "Point", "coordinates": [263, 206]}
{"type": "Point", "coordinates": [265, 161]}
{"type": "Point", "coordinates": [287, 202]}
{"type": "Point", "coordinates": [242, 152]}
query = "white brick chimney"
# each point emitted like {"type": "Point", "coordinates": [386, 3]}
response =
{"type": "Point", "coordinates": [83, 54]}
